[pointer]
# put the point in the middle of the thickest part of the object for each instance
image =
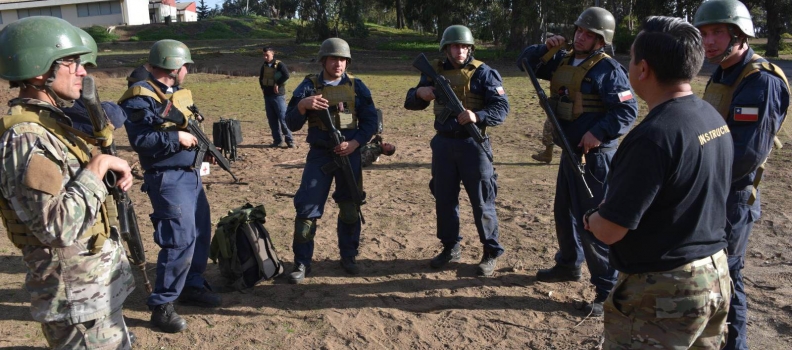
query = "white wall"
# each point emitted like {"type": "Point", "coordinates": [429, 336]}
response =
{"type": "Point", "coordinates": [190, 16]}
{"type": "Point", "coordinates": [135, 11]}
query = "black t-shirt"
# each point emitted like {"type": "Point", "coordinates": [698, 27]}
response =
{"type": "Point", "coordinates": [668, 186]}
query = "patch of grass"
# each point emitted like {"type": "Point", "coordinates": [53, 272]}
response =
{"type": "Point", "coordinates": [221, 27]}
{"type": "Point", "coordinates": [100, 34]}
{"type": "Point", "coordinates": [408, 45]}
{"type": "Point", "coordinates": [378, 30]}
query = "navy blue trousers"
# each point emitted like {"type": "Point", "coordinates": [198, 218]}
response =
{"type": "Point", "coordinates": [575, 243]}
{"type": "Point", "coordinates": [463, 160]}
{"type": "Point", "coordinates": [310, 199]}
{"type": "Point", "coordinates": [741, 218]}
{"type": "Point", "coordinates": [275, 106]}
{"type": "Point", "coordinates": [182, 229]}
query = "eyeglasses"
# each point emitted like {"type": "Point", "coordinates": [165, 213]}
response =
{"type": "Point", "coordinates": [70, 62]}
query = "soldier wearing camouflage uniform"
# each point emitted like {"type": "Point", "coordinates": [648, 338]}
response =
{"type": "Point", "coordinates": [663, 214]}
{"type": "Point", "coordinates": [546, 156]}
{"type": "Point", "coordinates": [54, 205]}
{"type": "Point", "coordinates": [752, 95]}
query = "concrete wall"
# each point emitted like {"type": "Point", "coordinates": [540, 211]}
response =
{"type": "Point", "coordinates": [133, 12]}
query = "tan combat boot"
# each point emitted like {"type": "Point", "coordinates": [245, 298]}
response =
{"type": "Point", "coordinates": [546, 156]}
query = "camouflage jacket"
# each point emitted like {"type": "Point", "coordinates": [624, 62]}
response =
{"type": "Point", "coordinates": [371, 151]}
{"type": "Point", "coordinates": [66, 283]}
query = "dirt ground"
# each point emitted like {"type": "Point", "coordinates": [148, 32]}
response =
{"type": "Point", "coordinates": [398, 301]}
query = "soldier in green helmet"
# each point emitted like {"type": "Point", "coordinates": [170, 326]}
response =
{"type": "Point", "coordinates": [78, 113]}
{"type": "Point", "coordinates": [349, 103]}
{"type": "Point", "coordinates": [752, 95]}
{"type": "Point", "coordinates": [54, 204]}
{"type": "Point", "coordinates": [456, 155]}
{"type": "Point", "coordinates": [181, 216]}
{"type": "Point", "coordinates": [592, 98]}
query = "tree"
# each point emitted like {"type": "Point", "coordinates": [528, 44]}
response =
{"type": "Point", "coordinates": [203, 10]}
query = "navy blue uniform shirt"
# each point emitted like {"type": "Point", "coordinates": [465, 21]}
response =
{"type": "Point", "coordinates": [81, 121]}
{"type": "Point", "coordinates": [269, 90]}
{"type": "Point", "coordinates": [607, 79]}
{"type": "Point", "coordinates": [753, 140]}
{"type": "Point", "coordinates": [485, 82]}
{"type": "Point", "coordinates": [157, 149]}
{"type": "Point", "coordinates": [366, 113]}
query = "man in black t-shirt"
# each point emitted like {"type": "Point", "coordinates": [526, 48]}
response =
{"type": "Point", "coordinates": [664, 209]}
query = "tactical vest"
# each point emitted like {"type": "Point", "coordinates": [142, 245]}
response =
{"type": "Point", "coordinates": [566, 99]}
{"type": "Point", "coordinates": [181, 100]}
{"type": "Point", "coordinates": [459, 79]}
{"type": "Point", "coordinates": [343, 95]}
{"type": "Point", "coordinates": [720, 96]}
{"type": "Point", "coordinates": [19, 234]}
{"type": "Point", "coordinates": [268, 77]}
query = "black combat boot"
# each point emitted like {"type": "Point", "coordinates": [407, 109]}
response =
{"type": "Point", "coordinates": [452, 254]}
{"type": "Point", "coordinates": [595, 309]}
{"type": "Point", "coordinates": [199, 296]}
{"type": "Point", "coordinates": [487, 265]}
{"type": "Point", "coordinates": [350, 266]}
{"type": "Point", "coordinates": [165, 318]}
{"type": "Point", "coordinates": [299, 273]}
{"type": "Point", "coordinates": [559, 273]}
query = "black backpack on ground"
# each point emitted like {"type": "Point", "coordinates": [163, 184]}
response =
{"type": "Point", "coordinates": [227, 135]}
{"type": "Point", "coordinates": [242, 247]}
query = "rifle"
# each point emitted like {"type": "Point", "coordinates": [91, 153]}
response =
{"type": "Point", "coordinates": [127, 219]}
{"type": "Point", "coordinates": [444, 95]}
{"type": "Point", "coordinates": [580, 169]}
{"type": "Point", "coordinates": [342, 163]}
{"type": "Point", "coordinates": [193, 126]}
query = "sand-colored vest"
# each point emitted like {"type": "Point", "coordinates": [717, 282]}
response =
{"type": "Point", "coordinates": [720, 96]}
{"type": "Point", "coordinates": [268, 77]}
{"type": "Point", "coordinates": [19, 234]}
{"type": "Point", "coordinates": [459, 79]}
{"type": "Point", "coordinates": [340, 95]}
{"type": "Point", "coordinates": [566, 99]}
{"type": "Point", "coordinates": [181, 100]}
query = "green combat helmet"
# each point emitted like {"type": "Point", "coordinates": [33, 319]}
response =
{"type": "Point", "coordinates": [336, 47]}
{"type": "Point", "coordinates": [29, 46]}
{"type": "Point", "coordinates": [457, 34]}
{"type": "Point", "coordinates": [730, 12]}
{"type": "Point", "coordinates": [598, 20]}
{"type": "Point", "coordinates": [169, 54]}
{"type": "Point", "coordinates": [727, 12]}
{"type": "Point", "coordinates": [88, 59]}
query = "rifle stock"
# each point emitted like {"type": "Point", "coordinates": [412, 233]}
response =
{"type": "Point", "coordinates": [580, 169]}
{"type": "Point", "coordinates": [445, 95]}
{"type": "Point", "coordinates": [128, 228]}
{"type": "Point", "coordinates": [342, 163]}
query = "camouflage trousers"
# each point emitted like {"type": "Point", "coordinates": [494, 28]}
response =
{"type": "Point", "coordinates": [106, 333]}
{"type": "Point", "coordinates": [684, 308]}
{"type": "Point", "coordinates": [547, 133]}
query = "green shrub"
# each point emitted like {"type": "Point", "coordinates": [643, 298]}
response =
{"type": "Point", "coordinates": [786, 36]}
{"type": "Point", "coordinates": [100, 34]}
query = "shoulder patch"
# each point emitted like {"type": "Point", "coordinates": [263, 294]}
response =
{"type": "Point", "coordinates": [746, 114]}
{"type": "Point", "coordinates": [43, 175]}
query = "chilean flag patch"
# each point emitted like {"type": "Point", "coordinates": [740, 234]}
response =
{"type": "Point", "coordinates": [625, 96]}
{"type": "Point", "coordinates": [500, 90]}
{"type": "Point", "coordinates": [746, 114]}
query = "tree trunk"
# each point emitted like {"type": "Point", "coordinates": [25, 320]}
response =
{"type": "Point", "coordinates": [774, 27]}
{"type": "Point", "coordinates": [399, 15]}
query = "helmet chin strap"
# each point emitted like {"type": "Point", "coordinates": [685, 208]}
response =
{"type": "Point", "coordinates": [722, 57]}
{"type": "Point", "coordinates": [47, 89]}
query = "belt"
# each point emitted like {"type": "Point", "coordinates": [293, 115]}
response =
{"type": "Point", "coordinates": [163, 169]}
{"type": "Point", "coordinates": [596, 150]}
{"type": "Point", "coordinates": [459, 134]}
